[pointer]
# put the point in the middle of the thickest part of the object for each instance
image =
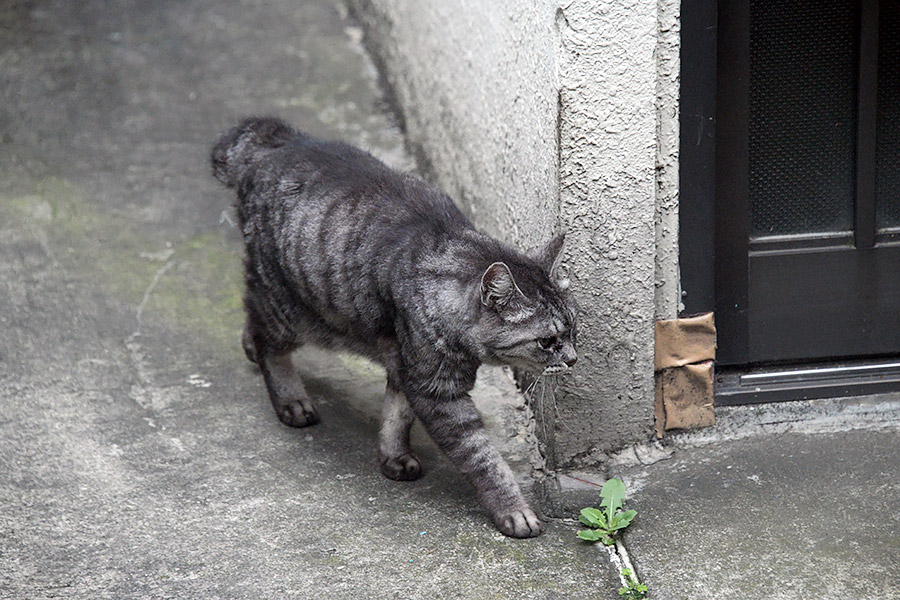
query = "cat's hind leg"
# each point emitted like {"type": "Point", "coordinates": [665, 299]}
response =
{"type": "Point", "coordinates": [270, 347]}
{"type": "Point", "coordinates": [248, 344]}
{"type": "Point", "coordinates": [286, 391]}
{"type": "Point", "coordinates": [395, 457]}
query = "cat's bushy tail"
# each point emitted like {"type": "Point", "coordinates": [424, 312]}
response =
{"type": "Point", "coordinates": [236, 153]}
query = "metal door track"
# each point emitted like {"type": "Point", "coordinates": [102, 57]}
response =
{"type": "Point", "coordinates": [833, 380]}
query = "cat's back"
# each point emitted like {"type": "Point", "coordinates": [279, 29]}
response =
{"type": "Point", "coordinates": [276, 167]}
{"type": "Point", "coordinates": [334, 163]}
{"type": "Point", "coordinates": [351, 214]}
{"type": "Point", "coordinates": [350, 182]}
{"type": "Point", "coordinates": [342, 226]}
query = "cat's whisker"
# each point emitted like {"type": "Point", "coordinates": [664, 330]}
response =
{"type": "Point", "coordinates": [558, 420]}
{"type": "Point", "coordinates": [531, 386]}
{"type": "Point", "coordinates": [551, 397]}
{"type": "Point", "coordinates": [537, 403]}
{"type": "Point", "coordinates": [543, 417]}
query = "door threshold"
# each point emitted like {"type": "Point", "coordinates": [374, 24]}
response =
{"type": "Point", "coordinates": [757, 385]}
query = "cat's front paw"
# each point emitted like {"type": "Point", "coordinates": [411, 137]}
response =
{"type": "Point", "coordinates": [522, 523]}
{"type": "Point", "coordinates": [402, 468]}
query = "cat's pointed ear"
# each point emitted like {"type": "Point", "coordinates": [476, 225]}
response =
{"type": "Point", "coordinates": [498, 288]}
{"type": "Point", "coordinates": [550, 254]}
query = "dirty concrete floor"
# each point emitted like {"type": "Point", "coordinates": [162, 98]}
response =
{"type": "Point", "coordinates": [139, 455]}
{"type": "Point", "coordinates": [777, 502]}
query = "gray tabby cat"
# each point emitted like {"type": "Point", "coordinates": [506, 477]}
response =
{"type": "Point", "coordinates": [345, 253]}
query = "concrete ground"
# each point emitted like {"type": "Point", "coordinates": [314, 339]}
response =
{"type": "Point", "coordinates": [139, 456]}
{"type": "Point", "coordinates": [794, 509]}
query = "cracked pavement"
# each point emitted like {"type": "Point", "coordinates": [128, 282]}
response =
{"type": "Point", "coordinates": [139, 455]}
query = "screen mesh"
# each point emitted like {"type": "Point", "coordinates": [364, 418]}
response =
{"type": "Point", "coordinates": [887, 182]}
{"type": "Point", "coordinates": [802, 116]}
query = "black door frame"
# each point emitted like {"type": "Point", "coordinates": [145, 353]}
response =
{"type": "Point", "coordinates": [714, 118]}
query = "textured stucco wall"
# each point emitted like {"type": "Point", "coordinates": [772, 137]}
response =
{"type": "Point", "coordinates": [668, 58]}
{"type": "Point", "coordinates": [476, 85]}
{"type": "Point", "coordinates": [607, 73]}
{"type": "Point", "coordinates": [543, 116]}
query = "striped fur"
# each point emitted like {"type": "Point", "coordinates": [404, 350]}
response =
{"type": "Point", "coordinates": [342, 252]}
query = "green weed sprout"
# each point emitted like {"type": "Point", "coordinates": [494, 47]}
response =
{"type": "Point", "coordinates": [634, 590]}
{"type": "Point", "coordinates": [605, 522]}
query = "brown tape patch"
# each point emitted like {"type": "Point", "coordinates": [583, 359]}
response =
{"type": "Point", "coordinates": [683, 359]}
{"type": "Point", "coordinates": [682, 342]}
{"type": "Point", "coordinates": [687, 396]}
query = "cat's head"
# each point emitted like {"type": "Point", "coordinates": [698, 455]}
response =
{"type": "Point", "coordinates": [527, 320]}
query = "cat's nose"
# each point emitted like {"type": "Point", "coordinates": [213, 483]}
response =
{"type": "Point", "coordinates": [569, 356]}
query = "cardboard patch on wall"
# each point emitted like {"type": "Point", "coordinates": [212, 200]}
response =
{"type": "Point", "coordinates": [682, 342]}
{"type": "Point", "coordinates": [684, 354]}
{"type": "Point", "coordinates": [685, 397]}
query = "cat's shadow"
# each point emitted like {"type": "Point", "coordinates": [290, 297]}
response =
{"type": "Point", "coordinates": [348, 392]}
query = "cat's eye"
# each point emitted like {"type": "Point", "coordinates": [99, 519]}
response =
{"type": "Point", "coordinates": [547, 342]}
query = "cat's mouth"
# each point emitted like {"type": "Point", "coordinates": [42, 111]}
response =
{"type": "Point", "coordinates": [555, 369]}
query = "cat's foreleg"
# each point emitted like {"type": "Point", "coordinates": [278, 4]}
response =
{"type": "Point", "coordinates": [396, 459]}
{"type": "Point", "coordinates": [456, 427]}
{"type": "Point", "coordinates": [286, 391]}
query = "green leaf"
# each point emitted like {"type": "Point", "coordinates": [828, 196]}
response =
{"type": "Point", "coordinates": [613, 494]}
{"type": "Point", "coordinates": [590, 535]}
{"type": "Point", "coordinates": [593, 517]}
{"type": "Point", "coordinates": [606, 539]}
{"type": "Point", "coordinates": [622, 520]}
{"type": "Point", "coordinates": [588, 522]}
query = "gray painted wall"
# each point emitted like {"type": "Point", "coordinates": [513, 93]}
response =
{"type": "Point", "coordinates": [538, 117]}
